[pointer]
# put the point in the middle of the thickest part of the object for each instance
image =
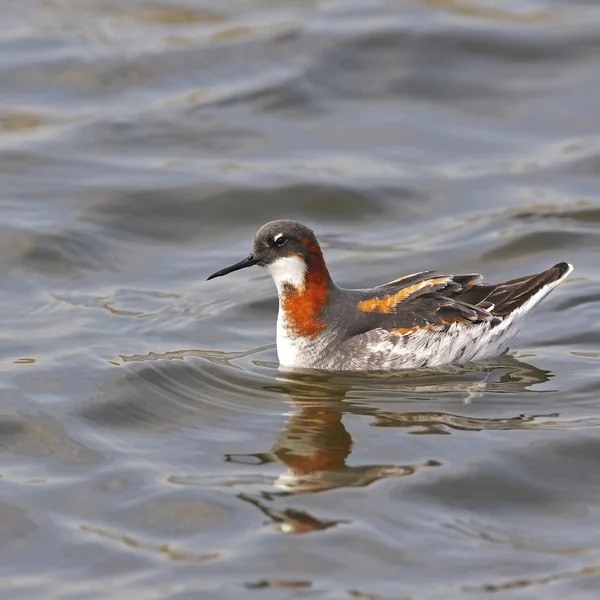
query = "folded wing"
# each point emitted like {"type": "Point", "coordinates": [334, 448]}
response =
{"type": "Point", "coordinates": [426, 299]}
{"type": "Point", "coordinates": [432, 301]}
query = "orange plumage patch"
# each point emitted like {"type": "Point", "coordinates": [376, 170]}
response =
{"type": "Point", "coordinates": [414, 329]}
{"type": "Point", "coordinates": [442, 324]}
{"type": "Point", "coordinates": [302, 306]}
{"type": "Point", "coordinates": [471, 282]}
{"type": "Point", "coordinates": [450, 320]}
{"type": "Point", "coordinates": [387, 303]}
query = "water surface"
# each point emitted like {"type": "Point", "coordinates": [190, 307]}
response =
{"type": "Point", "coordinates": [150, 447]}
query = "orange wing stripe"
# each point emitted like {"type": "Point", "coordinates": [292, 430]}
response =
{"type": "Point", "coordinates": [414, 329]}
{"type": "Point", "coordinates": [475, 279]}
{"type": "Point", "coordinates": [450, 320]}
{"type": "Point", "coordinates": [431, 327]}
{"type": "Point", "coordinates": [387, 303]}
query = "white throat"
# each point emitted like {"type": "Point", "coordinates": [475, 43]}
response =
{"type": "Point", "coordinates": [288, 270]}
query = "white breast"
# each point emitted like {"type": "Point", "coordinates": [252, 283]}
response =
{"type": "Point", "coordinates": [288, 346]}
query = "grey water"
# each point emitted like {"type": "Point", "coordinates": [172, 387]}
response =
{"type": "Point", "coordinates": [149, 445]}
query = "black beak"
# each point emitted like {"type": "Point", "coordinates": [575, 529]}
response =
{"type": "Point", "coordinates": [247, 262]}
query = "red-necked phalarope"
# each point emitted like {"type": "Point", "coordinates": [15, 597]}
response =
{"type": "Point", "coordinates": [420, 320]}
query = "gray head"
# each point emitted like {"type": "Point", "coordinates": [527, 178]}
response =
{"type": "Point", "coordinates": [286, 249]}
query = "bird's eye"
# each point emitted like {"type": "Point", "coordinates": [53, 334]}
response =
{"type": "Point", "coordinates": [279, 241]}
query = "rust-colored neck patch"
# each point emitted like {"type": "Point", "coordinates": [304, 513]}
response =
{"type": "Point", "coordinates": [302, 306]}
{"type": "Point", "coordinates": [387, 304]}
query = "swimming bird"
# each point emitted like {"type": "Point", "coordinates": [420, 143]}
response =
{"type": "Point", "coordinates": [425, 319]}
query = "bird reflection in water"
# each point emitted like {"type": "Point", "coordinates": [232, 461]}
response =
{"type": "Point", "coordinates": [315, 446]}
